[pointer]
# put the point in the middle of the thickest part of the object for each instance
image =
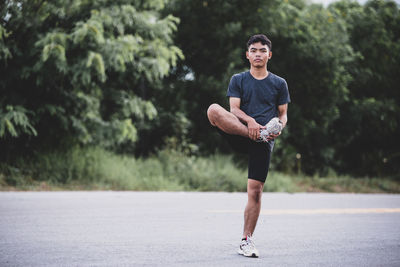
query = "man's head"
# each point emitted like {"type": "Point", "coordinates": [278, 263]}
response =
{"type": "Point", "coordinates": [259, 51]}
{"type": "Point", "coordinates": [259, 38]}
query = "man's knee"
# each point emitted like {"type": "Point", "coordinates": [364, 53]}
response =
{"type": "Point", "coordinates": [213, 109]}
{"type": "Point", "coordinates": [212, 113]}
{"type": "Point", "coordinates": [255, 192]}
{"type": "Point", "coordinates": [256, 195]}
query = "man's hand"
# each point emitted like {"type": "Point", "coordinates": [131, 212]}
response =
{"type": "Point", "coordinates": [273, 136]}
{"type": "Point", "coordinates": [254, 129]}
{"type": "Point", "coordinates": [272, 129]}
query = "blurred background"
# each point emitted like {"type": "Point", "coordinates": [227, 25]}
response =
{"type": "Point", "coordinates": [108, 94]}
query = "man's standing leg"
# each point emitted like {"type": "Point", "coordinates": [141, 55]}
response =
{"type": "Point", "coordinates": [253, 207]}
{"type": "Point", "coordinates": [230, 124]}
{"type": "Point", "coordinates": [251, 213]}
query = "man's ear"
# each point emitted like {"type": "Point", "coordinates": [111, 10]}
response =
{"type": "Point", "coordinates": [270, 55]}
{"type": "Point", "coordinates": [247, 54]}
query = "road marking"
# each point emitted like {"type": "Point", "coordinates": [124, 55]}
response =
{"type": "Point", "coordinates": [316, 211]}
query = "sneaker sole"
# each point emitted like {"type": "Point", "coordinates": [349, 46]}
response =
{"type": "Point", "coordinates": [253, 255]}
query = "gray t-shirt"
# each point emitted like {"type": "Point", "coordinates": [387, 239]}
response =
{"type": "Point", "coordinates": [259, 99]}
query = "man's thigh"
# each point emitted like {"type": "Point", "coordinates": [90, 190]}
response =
{"type": "Point", "coordinates": [259, 160]}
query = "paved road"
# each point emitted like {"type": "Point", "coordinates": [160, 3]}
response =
{"type": "Point", "coordinates": [196, 229]}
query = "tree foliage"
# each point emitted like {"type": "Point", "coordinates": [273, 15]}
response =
{"type": "Point", "coordinates": [79, 70]}
{"type": "Point", "coordinates": [370, 119]}
{"type": "Point", "coordinates": [112, 73]}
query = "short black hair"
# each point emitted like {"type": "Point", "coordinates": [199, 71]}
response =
{"type": "Point", "coordinates": [259, 38]}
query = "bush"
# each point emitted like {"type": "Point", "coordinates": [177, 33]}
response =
{"type": "Point", "coordinates": [98, 168]}
{"type": "Point", "coordinates": [167, 170]}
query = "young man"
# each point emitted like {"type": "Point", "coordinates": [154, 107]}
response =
{"type": "Point", "coordinates": [255, 97]}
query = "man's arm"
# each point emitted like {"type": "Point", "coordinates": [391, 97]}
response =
{"type": "Point", "coordinates": [252, 126]}
{"type": "Point", "coordinates": [282, 110]}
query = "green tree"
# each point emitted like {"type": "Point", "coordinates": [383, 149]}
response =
{"type": "Point", "coordinates": [311, 52]}
{"type": "Point", "coordinates": [370, 120]}
{"type": "Point", "coordinates": [79, 71]}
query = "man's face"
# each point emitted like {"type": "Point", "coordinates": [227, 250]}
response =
{"type": "Point", "coordinates": [258, 55]}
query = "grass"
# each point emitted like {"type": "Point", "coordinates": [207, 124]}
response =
{"type": "Point", "coordinates": [168, 170]}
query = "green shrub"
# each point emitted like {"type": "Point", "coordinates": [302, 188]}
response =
{"type": "Point", "coordinates": [167, 170]}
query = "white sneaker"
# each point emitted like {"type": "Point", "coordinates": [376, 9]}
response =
{"type": "Point", "coordinates": [274, 126]}
{"type": "Point", "coordinates": [247, 248]}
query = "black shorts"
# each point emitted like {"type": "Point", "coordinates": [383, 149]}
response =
{"type": "Point", "coordinates": [259, 154]}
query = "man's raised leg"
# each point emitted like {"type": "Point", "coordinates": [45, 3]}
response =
{"type": "Point", "coordinates": [226, 121]}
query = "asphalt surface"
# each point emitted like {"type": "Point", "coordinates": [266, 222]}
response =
{"type": "Point", "coordinates": [196, 229]}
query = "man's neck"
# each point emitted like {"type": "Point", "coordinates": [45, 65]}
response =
{"type": "Point", "coordinates": [259, 73]}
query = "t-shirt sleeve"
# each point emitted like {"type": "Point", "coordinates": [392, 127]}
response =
{"type": "Point", "coordinates": [284, 96]}
{"type": "Point", "coordinates": [234, 88]}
